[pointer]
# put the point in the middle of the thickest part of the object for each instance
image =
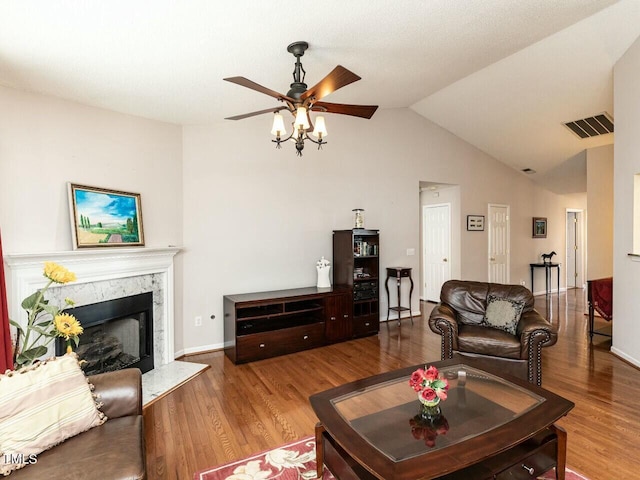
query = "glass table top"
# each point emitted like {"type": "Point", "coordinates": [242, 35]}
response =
{"type": "Point", "coordinates": [387, 415]}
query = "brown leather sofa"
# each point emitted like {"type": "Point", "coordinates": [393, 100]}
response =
{"type": "Point", "coordinates": [112, 451]}
{"type": "Point", "coordinates": [458, 316]}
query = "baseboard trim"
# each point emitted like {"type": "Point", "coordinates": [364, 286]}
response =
{"type": "Point", "coordinates": [200, 349]}
{"type": "Point", "coordinates": [626, 358]}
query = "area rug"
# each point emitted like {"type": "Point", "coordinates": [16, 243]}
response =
{"type": "Point", "coordinates": [294, 461]}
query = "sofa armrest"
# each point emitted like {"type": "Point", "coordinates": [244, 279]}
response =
{"type": "Point", "coordinates": [442, 321]}
{"type": "Point", "coordinates": [535, 332]}
{"type": "Point", "coordinates": [120, 392]}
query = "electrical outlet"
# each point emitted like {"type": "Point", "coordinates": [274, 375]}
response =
{"type": "Point", "coordinates": [411, 251]}
{"type": "Point", "coordinates": [198, 321]}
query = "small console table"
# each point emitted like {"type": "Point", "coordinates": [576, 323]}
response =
{"type": "Point", "coordinates": [547, 275]}
{"type": "Point", "coordinates": [398, 273]}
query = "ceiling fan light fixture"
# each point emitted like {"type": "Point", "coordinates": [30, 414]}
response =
{"type": "Point", "coordinates": [301, 119]}
{"type": "Point", "coordinates": [278, 128]}
{"type": "Point", "coordinates": [320, 130]}
{"type": "Point", "coordinates": [301, 100]}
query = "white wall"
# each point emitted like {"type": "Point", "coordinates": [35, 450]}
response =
{"type": "Point", "coordinates": [600, 212]}
{"type": "Point", "coordinates": [258, 219]}
{"type": "Point", "coordinates": [47, 142]}
{"type": "Point", "coordinates": [250, 217]}
{"type": "Point", "coordinates": [626, 270]}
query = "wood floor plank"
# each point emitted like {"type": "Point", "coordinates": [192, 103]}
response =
{"type": "Point", "coordinates": [229, 412]}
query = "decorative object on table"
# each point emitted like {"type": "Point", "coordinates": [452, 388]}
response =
{"type": "Point", "coordinates": [45, 322]}
{"type": "Point", "coordinates": [427, 427]}
{"type": "Point", "coordinates": [323, 266]}
{"type": "Point", "coordinates": [539, 227]}
{"type": "Point", "coordinates": [475, 223]}
{"type": "Point", "coordinates": [359, 218]}
{"type": "Point", "coordinates": [301, 101]}
{"type": "Point", "coordinates": [104, 218]}
{"type": "Point", "coordinates": [431, 389]}
{"type": "Point", "coordinates": [546, 257]}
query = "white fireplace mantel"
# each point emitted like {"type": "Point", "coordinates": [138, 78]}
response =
{"type": "Point", "coordinates": [25, 275]}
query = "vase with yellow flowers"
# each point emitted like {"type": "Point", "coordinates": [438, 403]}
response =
{"type": "Point", "coordinates": [45, 322]}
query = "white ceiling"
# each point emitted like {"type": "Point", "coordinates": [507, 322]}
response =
{"type": "Point", "coordinates": [501, 74]}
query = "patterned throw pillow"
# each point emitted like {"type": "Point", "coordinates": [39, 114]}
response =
{"type": "Point", "coordinates": [503, 314]}
{"type": "Point", "coordinates": [41, 406]}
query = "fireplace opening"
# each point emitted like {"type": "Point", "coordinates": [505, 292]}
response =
{"type": "Point", "coordinates": [117, 334]}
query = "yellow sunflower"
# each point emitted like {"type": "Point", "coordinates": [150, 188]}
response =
{"type": "Point", "coordinates": [67, 326]}
{"type": "Point", "coordinates": [58, 273]}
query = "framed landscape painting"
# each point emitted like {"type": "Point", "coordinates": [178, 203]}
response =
{"type": "Point", "coordinates": [539, 227]}
{"type": "Point", "coordinates": [104, 218]}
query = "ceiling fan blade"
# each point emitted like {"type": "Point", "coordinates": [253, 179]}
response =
{"type": "Point", "coordinates": [245, 82]}
{"type": "Point", "coordinates": [338, 78]}
{"type": "Point", "coordinates": [253, 114]}
{"type": "Point", "coordinates": [364, 111]}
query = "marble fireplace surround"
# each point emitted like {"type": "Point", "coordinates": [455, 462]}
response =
{"type": "Point", "coordinates": [103, 274]}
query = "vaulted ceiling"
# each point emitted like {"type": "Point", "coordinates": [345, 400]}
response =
{"type": "Point", "coordinates": [504, 75]}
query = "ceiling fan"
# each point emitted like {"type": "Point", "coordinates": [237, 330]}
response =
{"type": "Point", "coordinates": [301, 100]}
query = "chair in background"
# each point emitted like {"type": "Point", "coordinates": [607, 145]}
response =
{"type": "Point", "coordinates": [493, 323]}
{"type": "Point", "coordinates": [599, 299]}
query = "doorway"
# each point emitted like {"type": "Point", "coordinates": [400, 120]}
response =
{"type": "Point", "coordinates": [499, 244]}
{"type": "Point", "coordinates": [575, 249]}
{"type": "Point", "coordinates": [436, 249]}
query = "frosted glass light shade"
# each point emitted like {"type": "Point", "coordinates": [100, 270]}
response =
{"type": "Point", "coordinates": [301, 119]}
{"type": "Point", "coordinates": [278, 125]}
{"type": "Point", "coordinates": [320, 129]}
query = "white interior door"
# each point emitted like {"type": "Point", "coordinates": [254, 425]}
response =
{"type": "Point", "coordinates": [499, 243]}
{"type": "Point", "coordinates": [575, 250]}
{"type": "Point", "coordinates": [571, 250]}
{"type": "Point", "coordinates": [436, 249]}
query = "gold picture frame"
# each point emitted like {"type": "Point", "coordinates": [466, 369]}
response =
{"type": "Point", "coordinates": [101, 217]}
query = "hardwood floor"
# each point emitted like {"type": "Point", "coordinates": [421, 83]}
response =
{"type": "Point", "coordinates": [230, 412]}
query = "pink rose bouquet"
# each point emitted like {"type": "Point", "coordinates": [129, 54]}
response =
{"type": "Point", "coordinates": [429, 385]}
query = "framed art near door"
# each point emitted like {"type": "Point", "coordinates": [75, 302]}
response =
{"type": "Point", "coordinates": [539, 227]}
{"type": "Point", "coordinates": [104, 218]}
{"type": "Point", "coordinates": [475, 223]}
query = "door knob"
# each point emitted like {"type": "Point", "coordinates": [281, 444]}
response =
{"type": "Point", "coordinates": [492, 259]}
{"type": "Point", "coordinates": [444, 259]}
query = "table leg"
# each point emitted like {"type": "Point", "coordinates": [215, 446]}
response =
{"type": "Point", "coordinates": [561, 461]}
{"type": "Point", "coordinates": [386, 287]}
{"type": "Point", "coordinates": [531, 279]}
{"type": "Point", "coordinates": [558, 267]}
{"type": "Point", "coordinates": [410, 293]}
{"type": "Point", "coordinates": [319, 450]}
{"type": "Point", "coordinates": [547, 280]}
{"type": "Point", "coordinates": [398, 278]}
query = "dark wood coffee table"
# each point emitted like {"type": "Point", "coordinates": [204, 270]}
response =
{"type": "Point", "coordinates": [491, 427]}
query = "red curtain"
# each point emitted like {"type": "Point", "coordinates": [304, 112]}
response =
{"type": "Point", "coordinates": [6, 357]}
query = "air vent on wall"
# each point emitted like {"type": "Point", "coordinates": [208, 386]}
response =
{"type": "Point", "coordinates": [592, 126]}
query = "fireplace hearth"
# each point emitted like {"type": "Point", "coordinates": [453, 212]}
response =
{"type": "Point", "coordinates": [118, 334]}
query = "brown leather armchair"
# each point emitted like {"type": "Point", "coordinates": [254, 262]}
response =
{"type": "Point", "coordinates": [458, 317]}
{"type": "Point", "coordinates": [112, 451]}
